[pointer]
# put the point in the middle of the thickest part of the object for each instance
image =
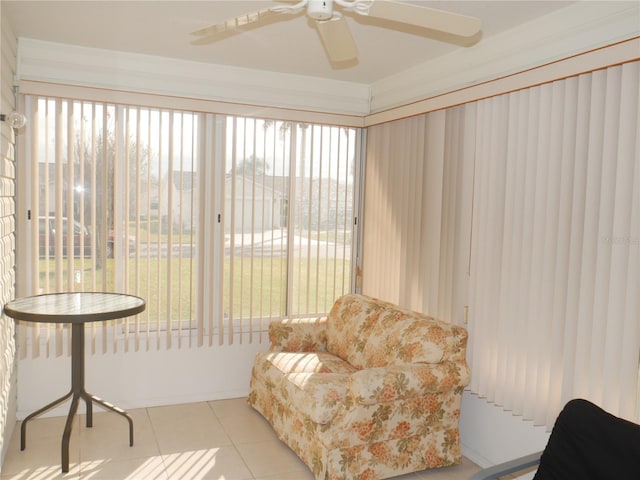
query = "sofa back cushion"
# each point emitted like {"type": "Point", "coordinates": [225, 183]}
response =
{"type": "Point", "coordinates": [349, 324]}
{"type": "Point", "coordinates": [402, 336]}
{"type": "Point", "coordinates": [367, 332]}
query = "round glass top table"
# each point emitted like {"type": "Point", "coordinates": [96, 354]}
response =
{"type": "Point", "coordinates": [76, 309]}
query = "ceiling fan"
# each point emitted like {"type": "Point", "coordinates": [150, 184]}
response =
{"type": "Point", "coordinates": [333, 28]}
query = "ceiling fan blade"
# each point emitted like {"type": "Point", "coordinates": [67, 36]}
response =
{"type": "Point", "coordinates": [426, 17]}
{"type": "Point", "coordinates": [235, 25]}
{"type": "Point", "coordinates": [337, 40]}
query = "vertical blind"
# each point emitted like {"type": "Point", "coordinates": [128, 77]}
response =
{"type": "Point", "coordinates": [417, 212]}
{"type": "Point", "coordinates": [219, 223]}
{"type": "Point", "coordinates": [555, 283]}
{"type": "Point", "coordinates": [552, 247]}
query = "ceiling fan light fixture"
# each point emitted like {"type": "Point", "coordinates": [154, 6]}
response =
{"type": "Point", "coordinates": [320, 9]}
{"type": "Point", "coordinates": [333, 29]}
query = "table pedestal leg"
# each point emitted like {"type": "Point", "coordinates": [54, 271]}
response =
{"type": "Point", "coordinates": [67, 433]}
{"type": "Point", "coordinates": [92, 398]}
{"type": "Point", "coordinates": [23, 427]}
{"type": "Point", "coordinates": [78, 392]}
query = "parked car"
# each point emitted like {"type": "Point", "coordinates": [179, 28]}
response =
{"type": "Point", "coordinates": [111, 239]}
{"type": "Point", "coordinates": [81, 238]}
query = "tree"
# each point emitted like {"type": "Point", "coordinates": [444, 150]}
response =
{"type": "Point", "coordinates": [252, 165]}
{"type": "Point", "coordinates": [94, 171]}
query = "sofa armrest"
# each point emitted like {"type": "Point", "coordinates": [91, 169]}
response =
{"type": "Point", "coordinates": [396, 382]}
{"type": "Point", "coordinates": [298, 335]}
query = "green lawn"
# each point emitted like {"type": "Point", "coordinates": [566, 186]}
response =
{"type": "Point", "coordinates": [258, 288]}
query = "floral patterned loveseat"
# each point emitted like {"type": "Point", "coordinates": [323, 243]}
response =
{"type": "Point", "coordinates": [370, 391]}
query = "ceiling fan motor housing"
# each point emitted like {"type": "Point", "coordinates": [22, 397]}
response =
{"type": "Point", "coordinates": [320, 9]}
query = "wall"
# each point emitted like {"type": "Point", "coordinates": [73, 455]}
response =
{"type": "Point", "coordinates": [8, 377]}
{"type": "Point", "coordinates": [144, 378]}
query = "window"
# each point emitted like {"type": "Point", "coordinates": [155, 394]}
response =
{"type": "Point", "coordinates": [221, 223]}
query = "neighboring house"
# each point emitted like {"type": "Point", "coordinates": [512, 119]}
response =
{"type": "Point", "coordinates": [318, 202]}
{"type": "Point", "coordinates": [183, 207]}
{"type": "Point", "coordinates": [263, 202]}
{"type": "Point", "coordinates": [256, 205]}
{"type": "Point", "coordinates": [150, 196]}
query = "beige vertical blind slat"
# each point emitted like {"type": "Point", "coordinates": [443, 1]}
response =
{"type": "Point", "coordinates": [118, 185]}
{"type": "Point", "coordinates": [235, 192]}
{"type": "Point", "coordinates": [205, 285]}
{"type": "Point", "coordinates": [296, 140]}
{"type": "Point", "coordinates": [126, 198]}
{"type": "Point", "coordinates": [59, 200]}
{"type": "Point", "coordinates": [431, 211]}
{"type": "Point", "coordinates": [158, 145]}
{"type": "Point", "coordinates": [101, 218]}
{"type": "Point", "coordinates": [93, 186]}
{"type": "Point", "coordinates": [147, 224]}
{"type": "Point", "coordinates": [169, 273]}
{"type": "Point", "coordinates": [138, 269]}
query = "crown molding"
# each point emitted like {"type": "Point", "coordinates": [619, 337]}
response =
{"type": "Point", "coordinates": [97, 68]}
{"type": "Point", "coordinates": [612, 55]}
{"type": "Point", "coordinates": [578, 28]}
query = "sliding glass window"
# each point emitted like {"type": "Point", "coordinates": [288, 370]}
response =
{"type": "Point", "coordinates": [221, 223]}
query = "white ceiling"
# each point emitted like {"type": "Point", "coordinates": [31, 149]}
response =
{"type": "Point", "coordinates": [162, 28]}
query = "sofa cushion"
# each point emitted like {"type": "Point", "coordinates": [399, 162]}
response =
{"type": "Point", "coordinates": [315, 384]}
{"type": "Point", "coordinates": [349, 325]}
{"type": "Point", "coordinates": [401, 337]}
{"type": "Point", "coordinates": [367, 332]}
{"type": "Point", "coordinates": [371, 386]}
{"type": "Point", "coordinates": [319, 396]}
{"type": "Point", "coordinates": [311, 362]}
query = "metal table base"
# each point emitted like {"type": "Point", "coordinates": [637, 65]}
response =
{"type": "Point", "coordinates": [77, 392]}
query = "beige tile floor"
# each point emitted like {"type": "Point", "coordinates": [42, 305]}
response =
{"type": "Point", "coordinates": [221, 440]}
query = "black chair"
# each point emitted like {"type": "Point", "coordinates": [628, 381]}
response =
{"type": "Point", "coordinates": [586, 443]}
